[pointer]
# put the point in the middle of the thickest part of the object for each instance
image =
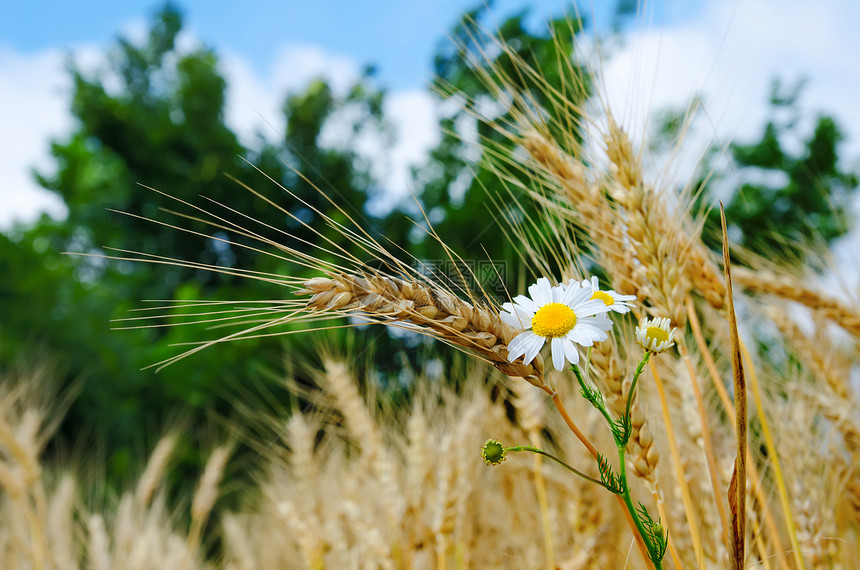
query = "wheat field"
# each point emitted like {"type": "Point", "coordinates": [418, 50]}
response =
{"type": "Point", "coordinates": [359, 484]}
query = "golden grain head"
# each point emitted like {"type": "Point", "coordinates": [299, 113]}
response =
{"type": "Point", "coordinates": [435, 312]}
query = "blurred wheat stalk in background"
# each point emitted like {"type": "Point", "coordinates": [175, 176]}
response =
{"type": "Point", "coordinates": [355, 484]}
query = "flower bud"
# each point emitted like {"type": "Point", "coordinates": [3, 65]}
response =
{"type": "Point", "coordinates": [493, 452]}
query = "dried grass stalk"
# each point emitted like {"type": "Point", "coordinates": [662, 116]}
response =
{"type": "Point", "coordinates": [738, 487]}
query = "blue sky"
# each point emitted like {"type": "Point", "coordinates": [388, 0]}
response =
{"type": "Point", "coordinates": [727, 49]}
{"type": "Point", "coordinates": [399, 36]}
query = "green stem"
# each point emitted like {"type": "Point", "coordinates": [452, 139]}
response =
{"type": "Point", "coordinates": [622, 451]}
{"type": "Point", "coordinates": [594, 402]}
{"type": "Point", "coordinates": [556, 459]}
{"type": "Point", "coordinates": [658, 564]}
{"type": "Point", "coordinates": [621, 443]}
{"type": "Point", "coordinates": [636, 375]}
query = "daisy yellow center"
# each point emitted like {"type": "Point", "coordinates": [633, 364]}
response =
{"type": "Point", "coordinates": [605, 297]}
{"type": "Point", "coordinates": [553, 320]}
{"type": "Point", "coordinates": [656, 333]}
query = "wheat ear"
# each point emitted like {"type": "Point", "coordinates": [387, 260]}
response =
{"type": "Point", "coordinates": [819, 357]}
{"type": "Point", "coordinates": [814, 504]}
{"type": "Point", "coordinates": [61, 524]}
{"type": "Point", "coordinates": [385, 299]}
{"type": "Point", "coordinates": [98, 546]}
{"type": "Point", "coordinates": [153, 474]}
{"type": "Point", "coordinates": [341, 385]}
{"type": "Point", "coordinates": [238, 544]}
{"type": "Point", "coordinates": [206, 494]}
{"type": "Point", "coordinates": [589, 206]}
{"type": "Point", "coordinates": [658, 245]}
{"type": "Point", "coordinates": [789, 288]}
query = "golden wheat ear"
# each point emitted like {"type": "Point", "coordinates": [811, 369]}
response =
{"type": "Point", "coordinates": [422, 308]}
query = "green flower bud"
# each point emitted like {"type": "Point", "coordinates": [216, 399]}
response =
{"type": "Point", "coordinates": [493, 452]}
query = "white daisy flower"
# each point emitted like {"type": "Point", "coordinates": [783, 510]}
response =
{"type": "Point", "coordinates": [562, 315]}
{"type": "Point", "coordinates": [654, 335]}
{"type": "Point", "coordinates": [612, 300]}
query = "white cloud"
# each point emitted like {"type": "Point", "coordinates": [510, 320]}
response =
{"type": "Point", "coordinates": [251, 101]}
{"type": "Point", "coordinates": [254, 104]}
{"type": "Point", "coordinates": [730, 52]}
{"type": "Point", "coordinates": [415, 117]}
{"type": "Point", "coordinates": [33, 109]}
{"type": "Point", "coordinates": [254, 101]}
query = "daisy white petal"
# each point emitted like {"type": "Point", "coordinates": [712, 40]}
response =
{"type": "Point", "coordinates": [580, 337]}
{"type": "Point", "coordinates": [533, 346]}
{"type": "Point", "coordinates": [592, 307]}
{"type": "Point", "coordinates": [600, 322]}
{"type": "Point", "coordinates": [575, 294]}
{"type": "Point", "coordinates": [571, 353]}
{"type": "Point", "coordinates": [558, 294]}
{"type": "Point", "coordinates": [587, 333]}
{"type": "Point", "coordinates": [526, 303]}
{"type": "Point", "coordinates": [516, 316]}
{"type": "Point", "coordinates": [541, 292]}
{"type": "Point", "coordinates": [557, 346]}
{"type": "Point", "coordinates": [517, 346]}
